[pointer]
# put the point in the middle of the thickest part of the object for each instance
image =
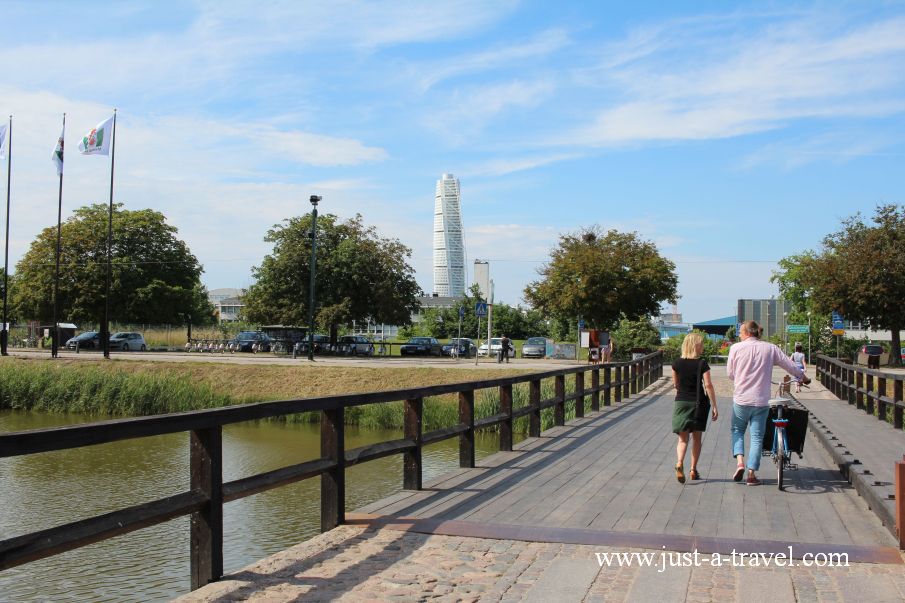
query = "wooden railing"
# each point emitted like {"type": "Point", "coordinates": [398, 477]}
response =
{"type": "Point", "coordinates": [868, 389]}
{"type": "Point", "coordinates": [204, 501]}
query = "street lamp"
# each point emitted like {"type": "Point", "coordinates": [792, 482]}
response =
{"type": "Point", "coordinates": [315, 199]}
{"type": "Point", "coordinates": [809, 337]}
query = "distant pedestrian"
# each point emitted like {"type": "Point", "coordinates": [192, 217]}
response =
{"type": "Point", "coordinates": [504, 349]}
{"type": "Point", "coordinates": [798, 358]}
{"type": "Point", "coordinates": [750, 367]}
{"type": "Point", "coordinates": [695, 403]}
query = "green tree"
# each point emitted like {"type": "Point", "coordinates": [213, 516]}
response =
{"type": "Point", "coordinates": [672, 349]}
{"type": "Point", "coordinates": [358, 275]}
{"type": "Point", "coordinates": [635, 333]}
{"type": "Point", "coordinates": [599, 277]}
{"type": "Point", "coordinates": [154, 276]}
{"type": "Point", "coordinates": [859, 271]}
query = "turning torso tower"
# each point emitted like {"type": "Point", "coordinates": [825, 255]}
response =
{"type": "Point", "coordinates": [449, 247]}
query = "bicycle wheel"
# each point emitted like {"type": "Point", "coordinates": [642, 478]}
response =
{"type": "Point", "coordinates": [780, 456]}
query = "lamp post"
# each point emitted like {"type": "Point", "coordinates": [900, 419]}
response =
{"type": "Point", "coordinates": [809, 337]}
{"type": "Point", "coordinates": [314, 201]}
{"type": "Point", "coordinates": [785, 346]}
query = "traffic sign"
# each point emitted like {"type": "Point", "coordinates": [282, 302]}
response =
{"type": "Point", "coordinates": [797, 328]}
{"type": "Point", "coordinates": [480, 309]}
{"type": "Point", "coordinates": [838, 325]}
{"type": "Point", "coordinates": [461, 312]}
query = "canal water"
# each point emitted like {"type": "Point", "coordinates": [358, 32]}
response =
{"type": "Point", "coordinates": [48, 489]}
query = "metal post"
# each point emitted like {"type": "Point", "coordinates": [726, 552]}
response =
{"type": "Point", "coordinates": [312, 270]}
{"type": "Point", "coordinates": [4, 334]}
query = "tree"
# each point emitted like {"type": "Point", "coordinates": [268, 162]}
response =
{"type": "Point", "coordinates": [601, 277]}
{"type": "Point", "coordinates": [358, 275]}
{"type": "Point", "coordinates": [154, 276]}
{"type": "Point", "coordinates": [635, 333]}
{"type": "Point", "coordinates": [859, 271]}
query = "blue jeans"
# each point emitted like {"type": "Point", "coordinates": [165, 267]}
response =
{"type": "Point", "coordinates": [742, 417]}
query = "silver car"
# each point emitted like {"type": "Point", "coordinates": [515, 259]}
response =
{"type": "Point", "coordinates": [128, 342]}
{"type": "Point", "coordinates": [355, 344]}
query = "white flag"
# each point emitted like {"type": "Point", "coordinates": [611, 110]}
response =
{"type": "Point", "coordinates": [97, 141]}
{"type": "Point", "coordinates": [3, 132]}
{"type": "Point", "coordinates": [58, 152]}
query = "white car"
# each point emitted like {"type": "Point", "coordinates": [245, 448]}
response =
{"type": "Point", "coordinates": [495, 344]}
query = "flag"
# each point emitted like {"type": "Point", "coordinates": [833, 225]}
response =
{"type": "Point", "coordinates": [58, 153]}
{"type": "Point", "coordinates": [3, 132]}
{"type": "Point", "coordinates": [97, 141]}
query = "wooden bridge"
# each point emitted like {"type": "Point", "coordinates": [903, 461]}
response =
{"type": "Point", "coordinates": [601, 482]}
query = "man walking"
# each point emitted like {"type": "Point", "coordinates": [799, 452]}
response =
{"type": "Point", "coordinates": [750, 367]}
{"type": "Point", "coordinates": [504, 349]}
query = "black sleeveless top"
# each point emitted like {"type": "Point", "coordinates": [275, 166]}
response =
{"type": "Point", "coordinates": [687, 371]}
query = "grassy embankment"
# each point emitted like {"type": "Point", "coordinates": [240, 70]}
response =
{"type": "Point", "coordinates": [135, 388]}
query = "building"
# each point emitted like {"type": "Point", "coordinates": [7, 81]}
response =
{"type": "Point", "coordinates": [435, 301]}
{"type": "Point", "coordinates": [449, 243]}
{"type": "Point", "coordinates": [770, 314]}
{"type": "Point", "coordinates": [227, 303]}
{"type": "Point", "coordinates": [717, 328]}
{"type": "Point", "coordinates": [482, 277]}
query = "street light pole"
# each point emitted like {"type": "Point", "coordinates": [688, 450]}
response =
{"type": "Point", "coordinates": [314, 201]}
{"type": "Point", "coordinates": [809, 338]}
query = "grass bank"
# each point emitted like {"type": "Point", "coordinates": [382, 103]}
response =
{"type": "Point", "coordinates": [135, 388]}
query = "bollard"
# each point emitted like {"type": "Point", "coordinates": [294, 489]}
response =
{"type": "Point", "coordinates": [77, 347]}
{"type": "Point", "coordinates": [900, 501]}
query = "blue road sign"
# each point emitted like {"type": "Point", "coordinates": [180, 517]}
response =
{"type": "Point", "coordinates": [480, 309]}
{"type": "Point", "coordinates": [580, 324]}
{"type": "Point", "coordinates": [837, 321]}
{"type": "Point", "coordinates": [461, 312]}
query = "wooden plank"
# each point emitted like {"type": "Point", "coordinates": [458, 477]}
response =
{"type": "Point", "coordinates": [362, 454]}
{"type": "Point", "coordinates": [466, 438]}
{"type": "Point", "coordinates": [506, 411]}
{"type": "Point", "coordinates": [413, 412]}
{"type": "Point", "coordinates": [262, 482]}
{"type": "Point", "coordinates": [333, 482]}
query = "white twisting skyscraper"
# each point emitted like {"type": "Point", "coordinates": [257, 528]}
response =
{"type": "Point", "coordinates": [449, 246]}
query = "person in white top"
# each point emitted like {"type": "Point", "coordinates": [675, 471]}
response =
{"type": "Point", "coordinates": [798, 359]}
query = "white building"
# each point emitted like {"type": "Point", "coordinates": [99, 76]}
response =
{"type": "Point", "coordinates": [227, 303]}
{"type": "Point", "coordinates": [449, 244]}
{"type": "Point", "coordinates": [482, 277]}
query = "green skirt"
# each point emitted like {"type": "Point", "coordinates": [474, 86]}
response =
{"type": "Point", "coordinates": [687, 417]}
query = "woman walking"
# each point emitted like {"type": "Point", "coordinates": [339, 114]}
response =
{"type": "Point", "coordinates": [694, 405]}
{"type": "Point", "coordinates": [798, 359]}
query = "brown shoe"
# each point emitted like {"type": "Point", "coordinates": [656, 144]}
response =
{"type": "Point", "coordinates": [752, 480]}
{"type": "Point", "coordinates": [739, 473]}
{"type": "Point", "coordinates": [694, 474]}
{"type": "Point", "coordinates": [680, 474]}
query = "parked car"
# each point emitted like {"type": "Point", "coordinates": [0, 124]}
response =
{"type": "Point", "coordinates": [87, 340]}
{"type": "Point", "coordinates": [355, 345]}
{"type": "Point", "coordinates": [251, 341]}
{"type": "Point", "coordinates": [464, 348]}
{"type": "Point", "coordinates": [534, 347]}
{"type": "Point", "coordinates": [495, 344]}
{"type": "Point", "coordinates": [321, 345]}
{"type": "Point", "coordinates": [128, 341]}
{"type": "Point", "coordinates": [421, 346]}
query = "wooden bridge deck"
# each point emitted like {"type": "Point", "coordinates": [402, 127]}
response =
{"type": "Point", "coordinates": [614, 471]}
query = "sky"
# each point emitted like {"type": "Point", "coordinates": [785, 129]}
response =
{"type": "Point", "coordinates": [730, 134]}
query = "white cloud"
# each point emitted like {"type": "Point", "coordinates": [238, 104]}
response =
{"type": "Point", "coordinates": [834, 147]}
{"type": "Point", "coordinates": [729, 85]}
{"type": "Point", "coordinates": [501, 167]}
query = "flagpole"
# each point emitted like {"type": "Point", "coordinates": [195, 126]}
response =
{"type": "Point", "coordinates": [105, 332]}
{"type": "Point", "coordinates": [54, 343]}
{"type": "Point", "coordinates": [4, 334]}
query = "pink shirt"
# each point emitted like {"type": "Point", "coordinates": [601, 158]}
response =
{"type": "Point", "coordinates": [750, 366]}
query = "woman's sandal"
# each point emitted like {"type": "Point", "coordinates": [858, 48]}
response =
{"type": "Point", "coordinates": [694, 474]}
{"type": "Point", "coordinates": [680, 474]}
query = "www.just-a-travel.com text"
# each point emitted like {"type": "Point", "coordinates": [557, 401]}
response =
{"type": "Point", "coordinates": [666, 559]}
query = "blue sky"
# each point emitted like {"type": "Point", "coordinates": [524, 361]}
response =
{"type": "Point", "coordinates": [730, 134]}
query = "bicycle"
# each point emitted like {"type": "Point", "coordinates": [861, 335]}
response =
{"type": "Point", "coordinates": [781, 451]}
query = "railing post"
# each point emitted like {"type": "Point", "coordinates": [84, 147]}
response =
{"type": "Point", "coordinates": [333, 482]}
{"type": "Point", "coordinates": [579, 391]}
{"type": "Point", "coordinates": [607, 385]}
{"type": "Point", "coordinates": [534, 402]}
{"type": "Point", "coordinates": [618, 384]}
{"type": "Point", "coordinates": [595, 385]}
{"type": "Point", "coordinates": [850, 388]}
{"type": "Point", "coordinates": [897, 408]}
{"type": "Point", "coordinates": [645, 380]}
{"type": "Point", "coordinates": [870, 393]}
{"type": "Point", "coordinates": [206, 460]}
{"type": "Point", "coordinates": [881, 405]}
{"type": "Point", "coordinates": [466, 440]}
{"type": "Point", "coordinates": [411, 461]}
{"type": "Point", "coordinates": [559, 409]}
{"type": "Point", "coordinates": [859, 395]}
{"type": "Point", "coordinates": [506, 409]}
{"type": "Point", "coordinates": [626, 381]}
{"type": "Point", "coordinates": [633, 379]}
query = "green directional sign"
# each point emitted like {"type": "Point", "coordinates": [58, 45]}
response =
{"type": "Point", "coordinates": [796, 328]}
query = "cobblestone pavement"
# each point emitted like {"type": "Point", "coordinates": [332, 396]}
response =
{"type": "Point", "coordinates": [356, 563]}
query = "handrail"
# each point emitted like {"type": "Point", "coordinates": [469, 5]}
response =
{"type": "Point", "coordinates": [207, 494]}
{"type": "Point", "coordinates": [867, 389]}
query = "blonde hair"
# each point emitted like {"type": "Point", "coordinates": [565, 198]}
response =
{"type": "Point", "coordinates": [690, 345]}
